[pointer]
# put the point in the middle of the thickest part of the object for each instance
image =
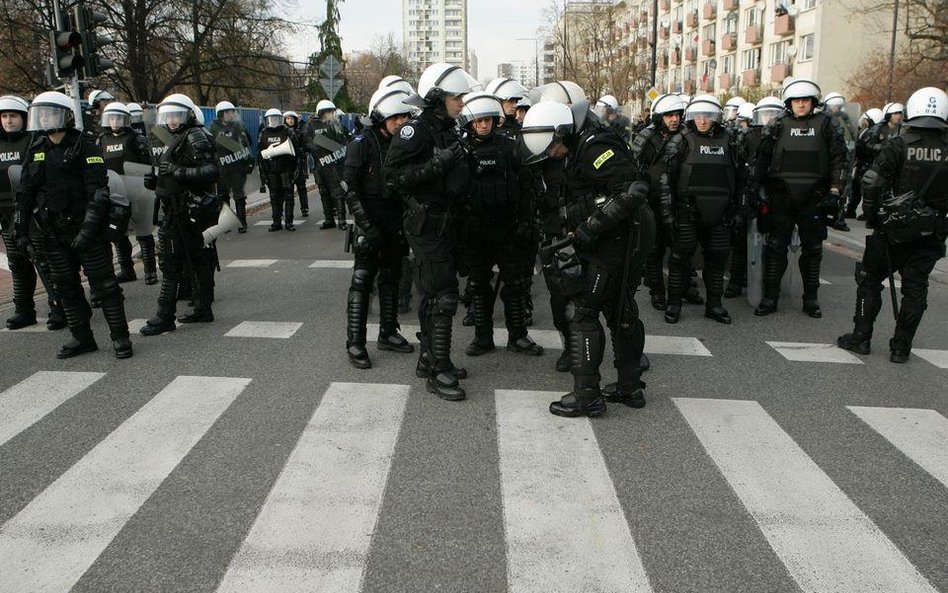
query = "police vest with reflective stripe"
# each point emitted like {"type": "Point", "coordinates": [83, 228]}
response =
{"type": "Point", "coordinates": [801, 152]}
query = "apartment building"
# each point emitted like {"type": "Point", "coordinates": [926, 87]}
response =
{"type": "Point", "coordinates": [749, 47]}
{"type": "Point", "coordinates": [435, 31]}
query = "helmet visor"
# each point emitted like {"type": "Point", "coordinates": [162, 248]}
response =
{"type": "Point", "coordinates": [730, 112]}
{"type": "Point", "coordinates": [274, 121]}
{"type": "Point", "coordinates": [115, 119]}
{"type": "Point", "coordinates": [172, 115]}
{"type": "Point", "coordinates": [764, 115]}
{"type": "Point", "coordinates": [703, 114]}
{"type": "Point", "coordinates": [46, 118]}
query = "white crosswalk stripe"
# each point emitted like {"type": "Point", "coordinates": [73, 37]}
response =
{"type": "Point", "coordinates": [806, 352]}
{"type": "Point", "coordinates": [314, 531]}
{"type": "Point", "coordinates": [563, 526]}
{"type": "Point", "coordinates": [824, 540]}
{"type": "Point", "coordinates": [34, 397]}
{"type": "Point", "coordinates": [251, 263]}
{"type": "Point", "coordinates": [54, 540]}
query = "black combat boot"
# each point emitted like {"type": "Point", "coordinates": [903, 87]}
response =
{"type": "Point", "coordinates": [442, 381]}
{"type": "Point", "coordinates": [80, 343]}
{"type": "Point", "coordinates": [163, 321]}
{"type": "Point", "coordinates": [389, 338]}
{"type": "Point", "coordinates": [483, 324]}
{"type": "Point", "coordinates": [586, 401]}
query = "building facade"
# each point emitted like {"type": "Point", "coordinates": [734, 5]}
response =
{"type": "Point", "coordinates": [435, 31]}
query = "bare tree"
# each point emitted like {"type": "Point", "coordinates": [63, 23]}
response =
{"type": "Point", "coordinates": [870, 82]}
{"type": "Point", "coordinates": [365, 69]}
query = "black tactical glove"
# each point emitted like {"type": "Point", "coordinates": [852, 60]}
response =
{"type": "Point", "coordinates": [371, 233]}
{"type": "Point", "coordinates": [249, 167]}
{"type": "Point", "coordinates": [151, 181]}
{"type": "Point", "coordinates": [450, 155]}
{"type": "Point", "coordinates": [263, 189]}
{"type": "Point", "coordinates": [167, 169]}
{"type": "Point", "coordinates": [582, 236]}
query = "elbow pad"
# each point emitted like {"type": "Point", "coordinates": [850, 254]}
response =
{"type": "Point", "coordinates": [414, 175]}
{"type": "Point", "coordinates": [618, 209]}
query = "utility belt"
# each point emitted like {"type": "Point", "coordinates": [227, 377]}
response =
{"type": "Point", "coordinates": [905, 218]}
{"type": "Point", "coordinates": [562, 268]}
{"type": "Point", "coordinates": [419, 214]}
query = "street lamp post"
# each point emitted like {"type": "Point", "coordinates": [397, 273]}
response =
{"type": "Point", "coordinates": [536, 57]}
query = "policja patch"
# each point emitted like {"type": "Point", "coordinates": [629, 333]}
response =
{"type": "Point", "coordinates": [407, 132]}
{"type": "Point", "coordinates": [603, 158]}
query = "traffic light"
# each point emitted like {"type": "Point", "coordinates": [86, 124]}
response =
{"type": "Point", "coordinates": [87, 20]}
{"type": "Point", "coordinates": [67, 60]}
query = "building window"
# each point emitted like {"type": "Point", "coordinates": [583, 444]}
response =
{"type": "Point", "coordinates": [809, 4]}
{"type": "Point", "coordinates": [807, 47]}
{"type": "Point", "coordinates": [751, 59]}
{"type": "Point", "coordinates": [730, 23]}
{"type": "Point", "coordinates": [727, 64]}
{"type": "Point", "coordinates": [752, 16]}
{"type": "Point", "coordinates": [708, 32]}
{"type": "Point", "coordinates": [778, 52]}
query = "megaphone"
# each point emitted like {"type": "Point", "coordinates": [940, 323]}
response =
{"type": "Point", "coordinates": [281, 149]}
{"type": "Point", "coordinates": [226, 221]}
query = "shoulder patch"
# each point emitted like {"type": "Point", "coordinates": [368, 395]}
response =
{"type": "Point", "coordinates": [603, 158]}
{"type": "Point", "coordinates": [94, 160]}
{"type": "Point", "coordinates": [407, 133]}
{"type": "Point", "coordinates": [39, 156]}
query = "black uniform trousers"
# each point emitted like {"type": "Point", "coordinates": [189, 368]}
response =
{"type": "Point", "coordinates": [54, 238]}
{"type": "Point", "coordinates": [806, 217]}
{"type": "Point", "coordinates": [183, 259]}
{"type": "Point", "coordinates": [379, 262]}
{"type": "Point", "coordinates": [330, 192]}
{"type": "Point", "coordinates": [914, 262]}
{"type": "Point", "coordinates": [281, 196]}
{"type": "Point", "coordinates": [715, 240]}
{"type": "Point", "coordinates": [232, 184]}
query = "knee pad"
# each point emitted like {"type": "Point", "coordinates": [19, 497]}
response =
{"type": "Point", "coordinates": [584, 318]}
{"type": "Point", "coordinates": [361, 280]}
{"type": "Point", "coordinates": [445, 304]}
{"type": "Point", "coordinates": [105, 287]}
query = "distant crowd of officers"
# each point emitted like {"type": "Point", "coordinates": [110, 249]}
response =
{"type": "Point", "coordinates": [477, 184]}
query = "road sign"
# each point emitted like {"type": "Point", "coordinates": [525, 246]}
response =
{"type": "Point", "coordinates": [331, 67]}
{"type": "Point", "coordinates": [652, 94]}
{"type": "Point", "coordinates": [332, 86]}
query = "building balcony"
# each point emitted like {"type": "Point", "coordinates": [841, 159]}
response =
{"type": "Point", "coordinates": [730, 5]}
{"type": "Point", "coordinates": [707, 47]}
{"type": "Point", "coordinates": [783, 25]}
{"type": "Point", "coordinates": [710, 10]}
{"type": "Point", "coordinates": [689, 87]}
{"type": "Point", "coordinates": [691, 19]}
{"type": "Point", "coordinates": [691, 54]}
{"type": "Point", "coordinates": [725, 81]}
{"type": "Point", "coordinates": [676, 26]}
{"type": "Point", "coordinates": [751, 77]}
{"type": "Point", "coordinates": [729, 42]}
{"type": "Point", "coordinates": [706, 84]}
{"type": "Point", "coordinates": [754, 35]}
{"type": "Point", "coordinates": [778, 72]}
{"type": "Point", "coordinates": [675, 57]}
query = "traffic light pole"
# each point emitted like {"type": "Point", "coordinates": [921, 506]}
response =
{"type": "Point", "coordinates": [70, 86]}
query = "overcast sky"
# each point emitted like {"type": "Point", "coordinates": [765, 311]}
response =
{"type": "Point", "coordinates": [493, 27]}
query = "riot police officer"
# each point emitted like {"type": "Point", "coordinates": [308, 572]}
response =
{"type": "Point", "coordinates": [906, 201]}
{"type": "Point", "coordinates": [92, 117]}
{"type": "Point", "coordinates": [697, 199]}
{"type": "Point", "coordinates": [379, 243]}
{"type": "Point", "coordinates": [138, 118]}
{"type": "Point", "coordinates": [745, 146]}
{"type": "Point", "coordinates": [326, 140]}
{"type": "Point", "coordinates": [510, 93]}
{"type": "Point", "coordinates": [14, 140]}
{"type": "Point", "coordinates": [430, 168]}
{"type": "Point", "coordinates": [865, 153]}
{"type": "Point", "coordinates": [607, 108]}
{"type": "Point", "coordinates": [612, 229]}
{"type": "Point", "coordinates": [232, 149]}
{"type": "Point", "coordinates": [184, 185]}
{"type": "Point", "coordinates": [64, 190]}
{"type": "Point", "coordinates": [800, 165]}
{"type": "Point", "coordinates": [277, 172]}
{"type": "Point", "coordinates": [498, 220]}
{"type": "Point", "coordinates": [121, 144]}
{"type": "Point", "coordinates": [292, 121]}
{"type": "Point", "coordinates": [648, 152]}
{"type": "Point", "coordinates": [833, 104]}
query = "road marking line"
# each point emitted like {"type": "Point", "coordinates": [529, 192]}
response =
{"type": "Point", "coordinates": [564, 526]}
{"type": "Point", "coordinates": [824, 540]}
{"type": "Point", "coordinates": [56, 538]}
{"type": "Point", "coordinates": [332, 263]}
{"type": "Point", "coordinates": [921, 434]}
{"type": "Point", "coordinates": [4, 262]}
{"type": "Point", "coordinates": [806, 352]}
{"type": "Point", "coordinates": [38, 395]}
{"type": "Point", "coordinates": [251, 263]}
{"type": "Point", "coordinates": [264, 329]}
{"type": "Point", "coordinates": [939, 358]}
{"type": "Point", "coordinates": [314, 530]}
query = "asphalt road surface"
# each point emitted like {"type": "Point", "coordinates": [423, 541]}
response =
{"type": "Point", "coordinates": [247, 455]}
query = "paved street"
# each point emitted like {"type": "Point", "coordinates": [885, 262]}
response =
{"type": "Point", "coordinates": [247, 455]}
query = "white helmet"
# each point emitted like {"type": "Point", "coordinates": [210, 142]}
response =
{"type": "Point", "coordinates": [834, 100]}
{"type": "Point", "coordinates": [138, 114]}
{"type": "Point", "coordinates": [96, 96]}
{"type": "Point", "coordinates": [606, 104]}
{"type": "Point", "coordinates": [287, 114]}
{"type": "Point", "coordinates": [668, 104]}
{"type": "Point", "coordinates": [51, 111]}
{"type": "Point", "coordinates": [325, 105]}
{"type": "Point", "coordinates": [685, 98]}
{"type": "Point", "coordinates": [545, 123]}
{"type": "Point", "coordinates": [223, 106]}
{"type": "Point", "coordinates": [745, 111]}
{"type": "Point", "coordinates": [180, 109]}
{"type": "Point", "coordinates": [397, 82]}
{"type": "Point", "coordinates": [566, 92]}
{"type": "Point", "coordinates": [874, 115]}
{"type": "Point", "coordinates": [506, 89]}
{"type": "Point", "coordinates": [730, 108]}
{"type": "Point", "coordinates": [115, 115]}
{"type": "Point", "coordinates": [481, 104]}
{"type": "Point", "coordinates": [386, 102]}
{"type": "Point", "coordinates": [703, 106]}
{"type": "Point", "coordinates": [15, 104]}
{"type": "Point", "coordinates": [442, 80]}
{"type": "Point", "coordinates": [891, 108]}
{"type": "Point", "coordinates": [524, 103]}
{"type": "Point", "coordinates": [801, 88]}
{"type": "Point", "coordinates": [927, 108]}
{"type": "Point", "coordinates": [767, 109]}
{"type": "Point", "coordinates": [273, 118]}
